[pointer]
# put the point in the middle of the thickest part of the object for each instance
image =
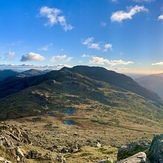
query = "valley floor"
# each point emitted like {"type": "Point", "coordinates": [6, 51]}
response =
{"type": "Point", "coordinates": [76, 143]}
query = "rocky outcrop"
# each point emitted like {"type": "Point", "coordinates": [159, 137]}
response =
{"type": "Point", "coordinates": [5, 142]}
{"type": "Point", "coordinates": [133, 148]}
{"type": "Point", "coordinates": [17, 134]}
{"type": "Point", "coordinates": [137, 158]}
{"type": "Point", "coordinates": [155, 153]}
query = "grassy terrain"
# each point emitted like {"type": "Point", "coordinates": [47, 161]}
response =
{"type": "Point", "coordinates": [102, 112]}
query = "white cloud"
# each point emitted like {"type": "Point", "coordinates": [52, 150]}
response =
{"type": "Point", "coordinates": [46, 47]}
{"type": "Point", "coordinates": [144, 0]}
{"type": "Point", "coordinates": [90, 44]}
{"type": "Point", "coordinates": [61, 58]}
{"type": "Point", "coordinates": [68, 59]}
{"type": "Point", "coordinates": [107, 46]}
{"type": "Point", "coordinates": [88, 41]}
{"type": "Point", "coordinates": [63, 23]}
{"type": "Point", "coordinates": [98, 60]}
{"type": "Point", "coordinates": [30, 66]}
{"type": "Point", "coordinates": [119, 16]}
{"type": "Point", "coordinates": [11, 54]}
{"type": "Point", "coordinates": [160, 17]}
{"type": "Point", "coordinates": [102, 61]}
{"type": "Point", "coordinates": [115, 1]}
{"type": "Point", "coordinates": [51, 14]}
{"type": "Point", "coordinates": [32, 57]}
{"type": "Point", "coordinates": [103, 24]}
{"type": "Point", "coordinates": [94, 46]}
{"type": "Point", "coordinates": [97, 46]}
{"type": "Point", "coordinates": [85, 56]}
{"type": "Point", "coordinates": [7, 56]}
{"type": "Point", "coordinates": [157, 64]}
{"type": "Point", "coordinates": [53, 17]}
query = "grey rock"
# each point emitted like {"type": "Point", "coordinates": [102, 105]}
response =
{"type": "Point", "coordinates": [155, 153]}
{"type": "Point", "coordinates": [20, 155]}
{"type": "Point", "coordinates": [5, 142]}
{"type": "Point", "coordinates": [137, 158]}
{"type": "Point", "coordinates": [108, 160]}
{"type": "Point", "coordinates": [33, 154]}
{"type": "Point", "coordinates": [60, 159]}
{"type": "Point", "coordinates": [128, 150]}
{"type": "Point", "coordinates": [3, 160]}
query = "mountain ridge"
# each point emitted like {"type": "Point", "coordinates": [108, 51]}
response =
{"type": "Point", "coordinates": [71, 88]}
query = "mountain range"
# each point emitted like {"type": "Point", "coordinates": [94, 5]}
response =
{"type": "Point", "coordinates": [73, 88]}
{"type": "Point", "coordinates": [4, 74]}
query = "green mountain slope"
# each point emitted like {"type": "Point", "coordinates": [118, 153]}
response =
{"type": "Point", "coordinates": [58, 91]}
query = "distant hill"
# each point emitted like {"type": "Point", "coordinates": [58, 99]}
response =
{"type": "Point", "coordinates": [32, 72]}
{"type": "Point", "coordinates": [75, 88]}
{"type": "Point", "coordinates": [4, 74]}
{"type": "Point", "coordinates": [7, 73]}
{"type": "Point", "coordinates": [152, 82]}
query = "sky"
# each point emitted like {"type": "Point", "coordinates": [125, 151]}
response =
{"type": "Point", "coordinates": [125, 36]}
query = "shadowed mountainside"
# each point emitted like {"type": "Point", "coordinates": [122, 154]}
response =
{"type": "Point", "coordinates": [7, 73]}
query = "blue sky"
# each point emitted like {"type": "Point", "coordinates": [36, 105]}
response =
{"type": "Point", "coordinates": [121, 35]}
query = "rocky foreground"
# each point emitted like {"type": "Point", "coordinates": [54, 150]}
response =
{"type": "Point", "coordinates": [19, 144]}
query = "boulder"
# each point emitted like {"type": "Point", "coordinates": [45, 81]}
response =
{"type": "Point", "coordinates": [3, 160]}
{"type": "Point", "coordinates": [128, 150]}
{"type": "Point", "coordinates": [61, 159]}
{"type": "Point", "coordinates": [108, 160]}
{"type": "Point", "coordinates": [137, 158]}
{"type": "Point", "coordinates": [33, 154]}
{"type": "Point", "coordinates": [155, 153]}
{"type": "Point", "coordinates": [20, 155]}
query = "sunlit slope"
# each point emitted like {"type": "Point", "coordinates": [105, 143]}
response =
{"type": "Point", "coordinates": [103, 96]}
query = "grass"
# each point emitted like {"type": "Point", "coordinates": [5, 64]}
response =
{"type": "Point", "coordinates": [108, 114]}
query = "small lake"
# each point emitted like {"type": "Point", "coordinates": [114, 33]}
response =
{"type": "Point", "coordinates": [69, 122]}
{"type": "Point", "coordinates": [68, 111]}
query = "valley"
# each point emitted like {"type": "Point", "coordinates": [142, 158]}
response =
{"type": "Point", "coordinates": [83, 114]}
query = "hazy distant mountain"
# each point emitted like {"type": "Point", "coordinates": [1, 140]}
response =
{"type": "Point", "coordinates": [152, 82]}
{"type": "Point", "coordinates": [71, 87]}
{"type": "Point", "coordinates": [32, 72]}
{"type": "Point", "coordinates": [7, 73]}
{"type": "Point", "coordinates": [4, 74]}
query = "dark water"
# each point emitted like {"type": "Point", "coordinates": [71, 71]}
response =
{"type": "Point", "coordinates": [68, 111]}
{"type": "Point", "coordinates": [69, 122]}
